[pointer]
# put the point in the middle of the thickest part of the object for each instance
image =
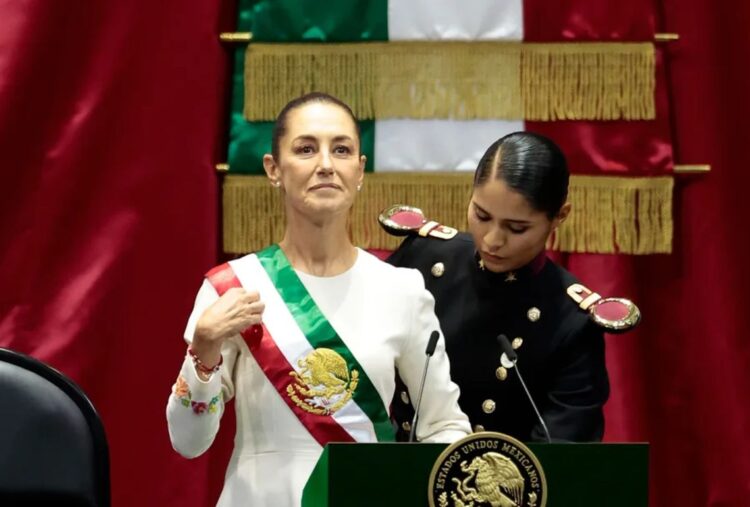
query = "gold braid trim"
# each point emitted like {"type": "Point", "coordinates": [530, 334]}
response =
{"type": "Point", "coordinates": [611, 214]}
{"type": "Point", "coordinates": [459, 80]}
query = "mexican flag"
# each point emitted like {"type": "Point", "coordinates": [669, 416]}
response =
{"type": "Point", "coordinates": [434, 83]}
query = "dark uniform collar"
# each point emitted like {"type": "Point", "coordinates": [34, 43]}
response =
{"type": "Point", "coordinates": [527, 272]}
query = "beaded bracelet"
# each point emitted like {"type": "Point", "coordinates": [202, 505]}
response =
{"type": "Point", "coordinates": [202, 367]}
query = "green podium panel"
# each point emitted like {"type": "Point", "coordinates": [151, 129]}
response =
{"type": "Point", "coordinates": [397, 474]}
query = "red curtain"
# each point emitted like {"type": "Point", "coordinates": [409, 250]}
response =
{"type": "Point", "coordinates": [681, 380]}
{"type": "Point", "coordinates": [111, 117]}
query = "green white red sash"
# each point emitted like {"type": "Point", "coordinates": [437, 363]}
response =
{"type": "Point", "coordinates": [310, 366]}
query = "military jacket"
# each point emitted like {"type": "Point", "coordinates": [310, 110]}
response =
{"type": "Point", "coordinates": [560, 351]}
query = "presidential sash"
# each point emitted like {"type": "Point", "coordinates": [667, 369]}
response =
{"type": "Point", "coordinates": [303, 356]}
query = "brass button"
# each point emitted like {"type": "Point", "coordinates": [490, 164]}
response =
{"type": "Point", "coordinates": [488, 406]}
{"type": "Point", "coordinates": [437, 269]}
{"type": "Point", "coordinates": [405, 397]}
{"type": "Point", "coordinates": [501, 373]}
{"type": "Point", "coordinates": [517, 342]}
{"type": "Point", "coordinates": [406, 426]}
{"type": "Point", "coordinates": [534, 314]}
{"type": "Point", "coordinates": [478, 428]}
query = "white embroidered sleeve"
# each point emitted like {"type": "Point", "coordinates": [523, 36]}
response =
{"type": "Point", "coordinates": [195, 406]}
{"type": "Point", "coordinates": [440, 418]}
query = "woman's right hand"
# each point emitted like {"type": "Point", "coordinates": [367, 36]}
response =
{"type": "Point", "coordinates": [235, 311]}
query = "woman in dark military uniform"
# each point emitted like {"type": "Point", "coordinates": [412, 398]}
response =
{"type": "Point", "coordinates": [496, 279]}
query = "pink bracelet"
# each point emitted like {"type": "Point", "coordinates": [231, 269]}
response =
{"type": "Point", "coordinates": [202, 367]}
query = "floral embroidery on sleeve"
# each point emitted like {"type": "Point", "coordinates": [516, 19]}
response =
{"type": "Point", "coordinates": [181, 391]}
{"type": "Point", "coordinates": [181, 388]}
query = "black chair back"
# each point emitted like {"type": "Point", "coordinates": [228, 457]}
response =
{"type": "Point", "coordinates": [53, 450]}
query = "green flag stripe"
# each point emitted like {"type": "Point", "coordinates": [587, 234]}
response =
{"type": "Point", "coordinates": [320, 333]}
{"type": "Point", "coordinates": [296, 21]}
{"type": "Point", "coordinates": [311, 20]}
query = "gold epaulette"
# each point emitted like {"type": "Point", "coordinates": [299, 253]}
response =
{"type": "Point", "coordinates": [616, 315]}
{"type": "Point", "coordinates": [402, 220]}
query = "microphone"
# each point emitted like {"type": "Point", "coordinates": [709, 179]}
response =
{"type": "Point", "coordinates": [431, 345]}
{"type": "Point", "coordinates": [510, 360]}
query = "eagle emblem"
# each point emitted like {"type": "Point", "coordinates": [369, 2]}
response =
{"type": "Point", "coordinates": [323, 384]}
{"type": "Point", "coordinates": [487, 469]}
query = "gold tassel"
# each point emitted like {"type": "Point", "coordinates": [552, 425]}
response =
{"type": "Point", "coordinates": [611, 214]}
{"type": "Point", "coordinates": [458, 80]}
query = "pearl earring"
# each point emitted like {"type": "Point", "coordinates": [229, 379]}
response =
{"type": "Point", "coordinates": [359, 187]}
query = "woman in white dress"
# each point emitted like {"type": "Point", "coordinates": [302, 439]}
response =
{"type": "Point", "coordinates": [306, 335]}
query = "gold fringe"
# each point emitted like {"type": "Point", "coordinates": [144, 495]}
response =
{"type": "Point", "coordinates": [588, 81]}
{"type": "Point", "coordinates": [253, 214]}
{"type": "Point", "coordinates": [613, 214]}
{"type": "Point", "coordinates": [459, 80]}
{"type": "Point", "coordinates": [442, 196]}
{"type": "Point", "coordinates": [610, 214]}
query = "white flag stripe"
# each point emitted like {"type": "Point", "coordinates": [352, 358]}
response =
{"type": "Point", "coordinates": [436, 145]}
{"type": "Point", "coordinates": [356, 422]}
{"type": "Point", "coordinates": [445, 145]}
{"type": "Point", "coordinates": [276, 316]}
{"type": "Point", "coordinates": [293, 344]}
{"type": "Point", "coordinates": [455, 19]}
